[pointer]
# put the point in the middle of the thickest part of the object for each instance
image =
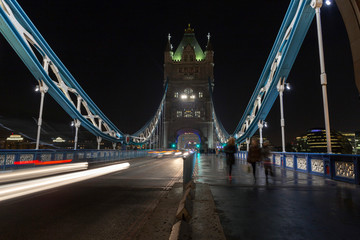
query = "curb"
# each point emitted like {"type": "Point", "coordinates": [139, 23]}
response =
{"type": "Point", "coordinates": [182, 229]}
{"type": "Point", "coordinates": [196, 216]}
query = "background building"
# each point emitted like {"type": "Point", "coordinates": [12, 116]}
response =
{"type": "Point", "coordinates": [315, 141]}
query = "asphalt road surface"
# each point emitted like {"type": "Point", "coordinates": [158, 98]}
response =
{"type": "Point", "coordinates": [113, 206]}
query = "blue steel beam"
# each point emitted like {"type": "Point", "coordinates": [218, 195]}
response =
{"type": "Point", "coordinates": [279, 63]}
{"type": "Point", "coordinates": [23, 36]}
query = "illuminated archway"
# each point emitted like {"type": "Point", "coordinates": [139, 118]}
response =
{"type": "Point", "coordinates": [188, 139]}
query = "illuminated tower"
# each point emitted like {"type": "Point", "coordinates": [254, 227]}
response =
{"type": "Point", "coordinates": [188, 108]}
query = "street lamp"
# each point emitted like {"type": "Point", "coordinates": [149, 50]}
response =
{"type": "Point", "coordinates": [281, 88]}
{"type": "Point", "coordinates": [261, 124]}
{"type": "Point", "coordinates": [76, 123]}
{"type": "Point", "coordinates": [317, 4]}
{"type": "Point", "coordinates": [43, 89]}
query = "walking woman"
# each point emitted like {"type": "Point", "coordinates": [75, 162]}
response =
{"type": "Point", "coordinates": [230, 150]}
{"type": "Point", "coordinates": [254, 155]}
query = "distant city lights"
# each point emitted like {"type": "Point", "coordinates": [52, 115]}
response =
{"type": "Point", "coordinates": [15, 137]}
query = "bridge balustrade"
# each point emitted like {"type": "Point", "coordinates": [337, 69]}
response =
{"type": "Point", "coordinates": [341, 167]}
{"type": "Point", "coordinates": [19, 159]}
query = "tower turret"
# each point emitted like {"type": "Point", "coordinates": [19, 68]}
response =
{"type": "Point", "coordinates": [209, 52]}
{"type": "Point", "coordinates": [168, 54]}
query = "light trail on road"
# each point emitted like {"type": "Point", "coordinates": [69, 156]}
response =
{"type": "Point", "coordinates": [10, 191]}
{"type": "Point", "coordinates": [23, 174]}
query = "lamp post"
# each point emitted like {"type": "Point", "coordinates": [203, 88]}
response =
{"type": "Point", "coordinates": [76, 123]}
{"type": "Point", "coordinates": [261, 125]}
{"type": "Point", "coordinates": [317, 4]}
{"type": "Point", "coordinates": [43, 89]}
{"type": "Point", "coordinates": [281, 88]}
{"type": "Point", "coordinates": [98, 139]}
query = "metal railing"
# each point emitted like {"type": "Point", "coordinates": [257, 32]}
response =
{"type": "Point", "coordinates": [19, 159]}
{"type": "Point", "coordinates": [341, 167]}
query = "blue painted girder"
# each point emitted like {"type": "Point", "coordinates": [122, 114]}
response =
{"type": "Point", "coordinates": [27, 56]}
{"type": "Point", "coordinates": [289, 50]}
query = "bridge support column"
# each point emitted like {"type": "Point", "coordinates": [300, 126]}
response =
{"type": "Point", "coordinates": [211, 135]}
{"type": "Point", "coordinates": [165, 132]}
{"type": "Point", "coordinates": [98, 139]}
{"type": "Point", "coordinates": [261, 125]}
{"type": "Point", "coordinates": [247, 144]}
{"type": "Point", "coordinates": [43, 89]}
{"type": "Point", "coordinates": [281, 88]}
{"type": "Point", "coordinates": [77, 124]}
{"type": "Point", "coordinates": [317, 4]}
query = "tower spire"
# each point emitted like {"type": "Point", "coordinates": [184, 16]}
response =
{"type": "Point", "coordinates": [209, 45]}
{"type": "Point", "coordinates": [189, 29]}
{"type": "Point", "coordinates": [168, 45]}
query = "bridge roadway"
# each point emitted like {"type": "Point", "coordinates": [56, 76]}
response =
{"type": "Point", "coordinates": [114, 206]}
{"type": "Point", "coordinates": [291, 206]}
{"type": "Point", "coordinates": [137, 203]}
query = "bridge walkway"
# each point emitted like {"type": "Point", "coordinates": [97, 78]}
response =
{"type": "Point", "coordinates": [291, 205]}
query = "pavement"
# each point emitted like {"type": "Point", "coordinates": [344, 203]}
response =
{"type": "Point", "coordinates": [290, 205]}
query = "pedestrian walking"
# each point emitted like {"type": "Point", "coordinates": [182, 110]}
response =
{"type": "Point", "coordinates": [254, 155]}
{"type": "Point", "coordinates": [230, 150]}
{"type": "Point", "coordinates": [265, 155]}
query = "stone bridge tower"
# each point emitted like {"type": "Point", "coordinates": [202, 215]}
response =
{"type": "Point", "coordinates": [188, 108]}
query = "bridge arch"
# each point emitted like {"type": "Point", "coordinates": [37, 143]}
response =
{"type": "Point", "coordinates": [188, 138]}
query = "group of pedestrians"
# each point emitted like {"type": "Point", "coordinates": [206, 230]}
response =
{"type": "Point", "coordinates": [256, 155]}
{"type": "Point", "coordinates": [259, 154]}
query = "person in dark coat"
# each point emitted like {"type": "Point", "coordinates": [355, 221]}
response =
{"type": "Point", "coordinates": [254, 155]}
{"type": "Point", "coordinates": [230, 150]}
{"type": "Point", "coordinates": [265, 153]}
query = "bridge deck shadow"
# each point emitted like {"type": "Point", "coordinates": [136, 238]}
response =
{"type": "Point", "coordinates": [291, 205]}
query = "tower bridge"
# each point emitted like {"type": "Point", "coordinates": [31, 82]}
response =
{"type": "Point", "coordinates": [186, 109]}
{"type": "Point", "coordinates": [134, 194]}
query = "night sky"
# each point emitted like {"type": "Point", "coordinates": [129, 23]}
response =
{"type": "Point", "coordinates": [115, 50]}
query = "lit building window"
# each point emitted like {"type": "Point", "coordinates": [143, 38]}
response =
{"type": "Point", "coordinates": [184, 96]}
{"type": "Point", "coordinates": [197, 114]}
{"type": "Point", "coordinates": [176, 94]}
{"type": "Point", "coordinates": [188, 114]}
{"type": "Point", "coordinates": [201, 94]}
{"type": "Point", "coordinates": [192, 97]}
{"type": "Point", "coordinates": [178, 113]}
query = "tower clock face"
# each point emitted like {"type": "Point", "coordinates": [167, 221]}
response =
{"type": "Point", "coordinates": [188, 91]}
